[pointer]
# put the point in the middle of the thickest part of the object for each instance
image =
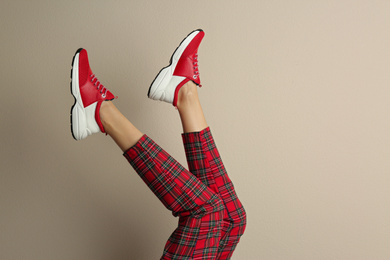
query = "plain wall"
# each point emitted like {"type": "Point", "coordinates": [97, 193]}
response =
{"type": "Point", "coordinates": [297, 94]}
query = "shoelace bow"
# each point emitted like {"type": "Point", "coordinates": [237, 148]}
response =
{"type": "Point", "coordinates": [98, 85]}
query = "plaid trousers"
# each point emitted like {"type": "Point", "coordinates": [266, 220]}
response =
{"type": "Point", "coordinates": [211, 217]}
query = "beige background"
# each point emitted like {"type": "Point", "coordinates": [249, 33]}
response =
{"type": "Point", "coordinates": [296, 93]}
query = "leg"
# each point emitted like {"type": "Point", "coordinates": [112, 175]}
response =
{"type": "Point", "coordinates": [199, 208]}
{"type": "Point", "coordinates": [175, 84]}
{"type": "Point", "coordinates": [190, 110]}
{"type": "Point", "coordinates": [205, 163]}
{"type": "Point", "coordinates": [121, 130]}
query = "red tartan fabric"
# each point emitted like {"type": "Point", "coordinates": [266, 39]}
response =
{"type": "Point", "coordinates": [204, 161]}
{"type": "Point", "coordinates": [194, 197]}
{"type": "Point", "coordinates": [199, 208]}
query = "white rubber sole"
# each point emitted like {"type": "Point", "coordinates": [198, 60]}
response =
{"type": "Point", "coordinates": [78, 123]}
{"type": "Point", "coordinates": [163, 86]}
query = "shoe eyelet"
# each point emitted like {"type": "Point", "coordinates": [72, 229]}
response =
{"type": "Point", "coordinates": [103, 95]}
{"type": "Point", "coordinates": [194, 76]}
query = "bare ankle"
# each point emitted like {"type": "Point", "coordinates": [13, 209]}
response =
{"type": "Point", "coordinates": [105, 111]}
{"type": "Point", "coordinates": [105, 107]}
{"type": "Point", "coordinates": [188, 93]}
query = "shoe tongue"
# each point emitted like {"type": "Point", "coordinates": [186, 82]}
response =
{"type": "Point", "coordinates": [197, 80]}
{"type": "Point", "coordinates": [109, 96]}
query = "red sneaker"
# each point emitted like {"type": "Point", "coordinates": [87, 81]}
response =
{"type": "Point", "coordinates": [183, 67]}
{"type": "Point", "coordinates": [89, 94]}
